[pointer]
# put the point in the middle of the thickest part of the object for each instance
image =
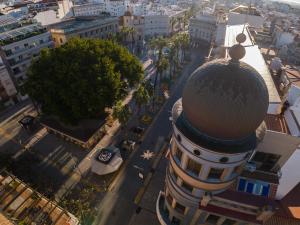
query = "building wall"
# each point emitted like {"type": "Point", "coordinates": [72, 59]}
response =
{"type": "Point", "coordinates": [88, 9]}
{"type": "Point", "coordinates": [18, 55]}
{"type": "Point", "coordinates": [102, 31]}
{"type": "Point", "coordinates": [202, 29]}
{"type": "Point", "coordinates": [253, 21]}
{"type": "Point", "coordinates": [136, 22]}
{"type": "Point", "coordinates": [157, 25]}
{"type": "Point", "coordinates": [7, 87]}
{"type": "Point", "coordinates": [279, 144]}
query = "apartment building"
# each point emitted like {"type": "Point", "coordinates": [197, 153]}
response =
{"type": "Point", "coordinates": [135, 22]}
{"type": "Point", "coordinates": [19, 45]}
{"type": "Point", "coordinates": [84, 27]}
{"type": "Point", "coordinates": [245, 14]}
{"type": "Point", "coordinates": [8, 90]}
{"type": "Point", "coordinates": [89, 9]}
{"type": "Point", "coordinates": [202, 28]}
{"type": "Point", "coordinates": [163, 21]}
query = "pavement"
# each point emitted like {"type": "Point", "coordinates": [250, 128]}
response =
{"type": "Point", "coordinates": [117, 207]}
{"type": "Point", "coordinates": [12, 135]}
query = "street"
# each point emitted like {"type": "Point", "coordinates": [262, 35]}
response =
{"type": "Point", "coordinates": [117, 206]}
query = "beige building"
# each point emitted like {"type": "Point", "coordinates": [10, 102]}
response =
{"type": "Point", "coordinates": [87, 27]}
{"type": "Point", "coordinates": [232, 157]}
{"type": "Point", "coordinates": [137, 23]}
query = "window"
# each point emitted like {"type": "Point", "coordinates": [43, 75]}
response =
{"type": "Point", "coordinates": [187, 187]}
{"type": "Point", "coordinates": [224, 159]}
{"type": "Point", "coordinates": [265, 161]}
{"type": "Point", "coordinates": [196, 152]}
{"type": "Point", "coordinates": [215, 173]}
{"type": "Point", "coordinates": [178, 154]}
{"type": "Point", "coordinates": [175, 221]}
{"type": "Point", "coordinates": [179, 208]}
{"type": "Point", "coordinates": [229, 222]}
{"type": "Point", "coordinates": [254, 187]}
{"type": "Point", "coordinates": [212, 219]}
{"type": "Point", "coordinates": [193, 167]}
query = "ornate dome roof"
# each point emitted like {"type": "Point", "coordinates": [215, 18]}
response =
{"type": "Point", "coordinates": [225, 99]}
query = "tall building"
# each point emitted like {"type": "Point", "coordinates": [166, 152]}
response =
{"type": "Point", "coordinates": [20, 43]}
{"type": "Point", "coordinates": [225, 161]}
{"type": "Point", "coordinates": [244, 14]}
{"type": "Point", "coordinates": [202, 29]}
{"type": "Point", "coordinates": [8, 91]}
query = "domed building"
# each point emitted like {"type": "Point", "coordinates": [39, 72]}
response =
{"type": "Point", "coordinates": [217, 125]}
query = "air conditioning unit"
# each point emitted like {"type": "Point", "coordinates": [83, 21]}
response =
{"type": "Point", "coordinates": [250, 166]}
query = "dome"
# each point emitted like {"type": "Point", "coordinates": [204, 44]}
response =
{"type": "Point", "coordinates": [225, 100]}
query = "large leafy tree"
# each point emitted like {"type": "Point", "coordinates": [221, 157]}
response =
{"type": "Point", "coordinates": [81, 78]}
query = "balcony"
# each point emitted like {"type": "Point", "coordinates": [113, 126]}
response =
{"type": "Point", "coordinates": [162, 214]}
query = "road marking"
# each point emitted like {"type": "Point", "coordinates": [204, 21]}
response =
{"type": "Point", "coordinates": [156, 161]}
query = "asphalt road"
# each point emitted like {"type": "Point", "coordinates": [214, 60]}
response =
{"type": "Point", "coordinates": [118, 206]}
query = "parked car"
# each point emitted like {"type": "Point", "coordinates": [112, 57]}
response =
{"type": "Point", "coordinates": [128, 144]}
{"type": "Point", "coordinates": [138, 130]}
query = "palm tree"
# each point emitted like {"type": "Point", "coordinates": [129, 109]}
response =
{"type": "Point", "coordinates": [128, 33]}
{"type": "Point", "coordinates": [172, 59]}
{"type": "Point", "coordinates": [162, 63]}
{"type": "Point", "coordinates": [141, 97]}
{"type": "Point", "coordinates": [121, 112]}
{"type": "Point", "coordinates": [185, 41]}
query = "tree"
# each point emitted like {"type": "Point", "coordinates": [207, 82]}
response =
{"type": "Point", "coordinates": [128, 33]}
{"type": "Point", "coordinates": [172, 59]}
{"type": "Point", "coordinates": [121, 112]}
{"type": "Point", "coordinates": [141, 96]}
{"type": "Point", "coordinates": [185, 41]}
{"type": "Point", "coordinates": [80, 79]}
{"type": "Point", "coordinates": [161, 64]}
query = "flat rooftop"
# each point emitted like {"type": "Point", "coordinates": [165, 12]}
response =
{"type": "Point", "coordinates": [79, 23]}
{"type": "Point", "coordinates": [232, 31]}
{"type": "Point", "coordinates": [255, 59]}
{"type": "Point", "coordinates": [22, 32]}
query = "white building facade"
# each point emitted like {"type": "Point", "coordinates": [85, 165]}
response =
{"type": "Point", "coordinates": [202, 28]}
{"type": "Point", "coordinates": [90, 9]}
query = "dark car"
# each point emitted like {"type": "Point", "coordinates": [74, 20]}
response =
{"type": "Point", "coordinates": [138, 130]}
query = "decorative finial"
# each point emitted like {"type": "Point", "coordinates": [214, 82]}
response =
{"type": "Point", "coordinates": [237, 52]}
{"type": "Point", "coordinates": [241, 38]}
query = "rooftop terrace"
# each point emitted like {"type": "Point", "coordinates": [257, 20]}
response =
{"type": "Point", "coordinates": [21, 33]}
